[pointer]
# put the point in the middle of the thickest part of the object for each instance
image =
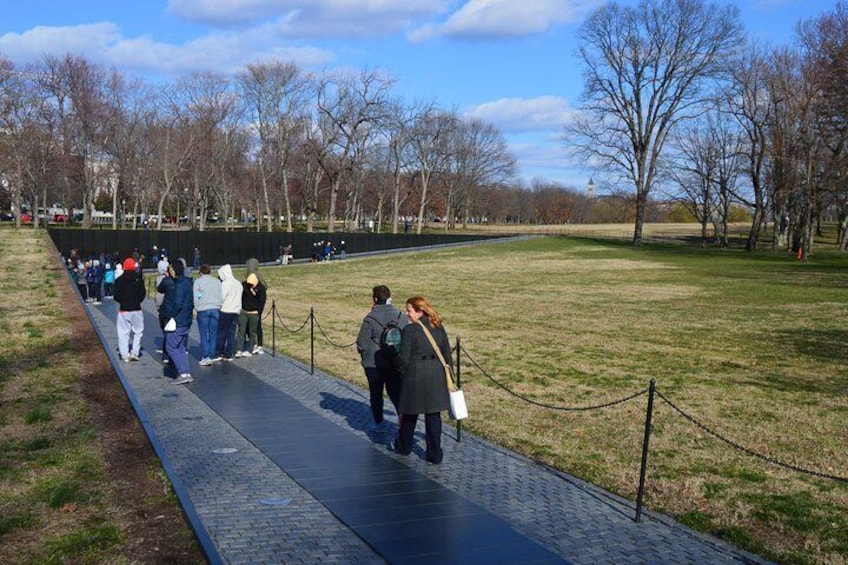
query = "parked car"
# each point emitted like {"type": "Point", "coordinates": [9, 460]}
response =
{"type": "Point", "coordinates": [6, 217]}
{"type": "Point", "coordinates": [26, 218]}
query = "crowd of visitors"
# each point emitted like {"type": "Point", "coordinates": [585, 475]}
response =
{"type": "Point", "coordinates": [402, 352]}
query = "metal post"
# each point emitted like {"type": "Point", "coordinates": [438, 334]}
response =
{"type": "Point", "coordinates": [273, 328]}
{"type": "Point", "coordinates": [651, 388]}
{"type": "Point", "coordinates": [458, 385]}
{"type": "Point", "coordinates": [311, 340]}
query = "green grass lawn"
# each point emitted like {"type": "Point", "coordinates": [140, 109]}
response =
{"type": "Point", "coordinates": [751, 345]}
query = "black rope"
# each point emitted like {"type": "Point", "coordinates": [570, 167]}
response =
{"type": "Point", "coordinates": [552, 407]}
{"type": "Point", "coordinates": [330, 341]}
{"type": "Point", "coordinates": [282, 323]}
{"type": "Point", "coordinates": [751, 452]}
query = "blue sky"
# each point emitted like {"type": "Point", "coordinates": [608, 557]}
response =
{"type": "Point", "coordinates": [510, 62]}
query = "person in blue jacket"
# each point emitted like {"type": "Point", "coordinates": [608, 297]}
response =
{"type": "Point", "coordinates": [178, 306]}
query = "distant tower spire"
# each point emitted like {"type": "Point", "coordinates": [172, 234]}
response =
{"type": "Point", "coordinates": [590, 188]}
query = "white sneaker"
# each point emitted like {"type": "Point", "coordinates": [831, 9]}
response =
{"type": "Point", "coordinates": [183, 379]}
{"type": "Point", "coordinates": [258, 350]}
{"type": "Point", "coordinates": [133, 357]}
{"type": "Point", "coordinates": [206, 361]}
{"type": "Point", "coordinates": [239, 354]}
{"type": "Point", "coordinates": [246, 354]}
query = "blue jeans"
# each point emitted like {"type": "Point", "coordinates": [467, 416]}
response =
{"type": "Point", "coordinates": [227, 324]}
{"type": "Point", "coordinates": [207, 324]}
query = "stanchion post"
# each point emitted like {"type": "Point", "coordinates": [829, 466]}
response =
{"type": "Point", "coordinates": [311, 340]}
{"type": "Point", "coordinates": [458, 385]}
{"type": "Point", "coordinates": [641, 493]}
{"type": "Point", "coordinates": [273, 328]}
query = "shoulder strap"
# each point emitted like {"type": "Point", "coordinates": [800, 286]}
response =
{"type": "Point", "coordinates": [448, 371]}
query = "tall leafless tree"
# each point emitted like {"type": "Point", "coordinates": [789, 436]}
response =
{"type": "Point", "coordinates": [647, 69]}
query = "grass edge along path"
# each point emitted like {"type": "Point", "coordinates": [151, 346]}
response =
{"type": "Point", "coordinates": [79, 482]}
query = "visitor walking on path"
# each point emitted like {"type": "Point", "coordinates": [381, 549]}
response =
{"type": "Point", "coordinates": [377, 362]}
{"type": "Point", "coordinates": [129, 294]}
{"type": "Point", "coordinates": [423, 386]}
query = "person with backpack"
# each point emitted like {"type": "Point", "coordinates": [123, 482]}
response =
{"type": "Point", "coordinates": [378, 343]}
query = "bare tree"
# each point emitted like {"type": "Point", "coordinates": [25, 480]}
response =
{"type": "Point", "coordinates": [430, 143]}
{"type": "Point", "coordinates": [646, 68]}
{"type": "Point", "coordinates": [349, 105]}
{"type": "Point", "coordinates": [481, 157]}
{"type": "Point", "coordinates": [748, 101]}
{"type": "Point", "coordinates": [275, 94]}
{"type": "Point", "coordinates": [824, 44]}
{"type": "Point", "coordinates": [76, 91]}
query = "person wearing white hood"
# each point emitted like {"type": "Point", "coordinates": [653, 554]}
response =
{"type": "Point", "coordinates": [231, 291]}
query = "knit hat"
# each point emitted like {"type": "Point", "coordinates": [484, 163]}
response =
{"type": "Point", "coordinates": [129, 264]}
{"type": "Point", "coordinates": [252, 279]}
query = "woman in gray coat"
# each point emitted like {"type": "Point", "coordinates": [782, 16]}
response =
{"type": "Point", "coordinates": [423, 385]}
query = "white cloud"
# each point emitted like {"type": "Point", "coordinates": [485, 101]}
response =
{"type": "Point", "coordinates": [486, 19]}
{"type": "Point", "coordinates": [312, 18]}
{"type": "Point", "coordinates": [103, 43]}
{"type": "Point", "coordinates": [516, 115]}
{"type": "Point", "coordinates": [32, 44]}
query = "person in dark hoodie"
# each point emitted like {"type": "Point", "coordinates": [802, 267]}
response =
{"type": "Point", "coordinates": [129, 293]}
{"type": "Point", "coordinates": [179, 307]}
{"type": "Point", "coordinates": [252, 268]}
{"type": "Point", "coordinates": [252, 303]}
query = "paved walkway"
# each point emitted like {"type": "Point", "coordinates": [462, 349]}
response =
{"type": "Point", "coordinates": [274, 465]}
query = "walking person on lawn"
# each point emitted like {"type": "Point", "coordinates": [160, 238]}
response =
{"type": "Point", "coordinates": [179, 307]}
{"type": "Point", "coordinates": [129, 294]}
{"type": "Point", "coordinates": [379, 364]}
{"type": "Point", "coordinates": [207, 303]}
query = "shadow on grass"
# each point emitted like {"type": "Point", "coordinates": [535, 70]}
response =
{"type": "Point", "coordinates": [824, 345]}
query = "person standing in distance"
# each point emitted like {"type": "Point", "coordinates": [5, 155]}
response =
{"type": "Point", "coordinates": [231, 291]}
{"type": "Point", "coordinates": [179, 302]}
{"type": "Point", "coordinates": [423, 385]}
{"type": "Point", "coordinates": [207, 302]}
{"type": "Point", "coordinates": [379, 364]}
{"type": "Point", "coordinates": [129, 294]}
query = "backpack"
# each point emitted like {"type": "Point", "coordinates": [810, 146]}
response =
{"type": "Point", "coordinates": [390, 337]}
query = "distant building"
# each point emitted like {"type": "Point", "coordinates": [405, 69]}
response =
{"type": "Point", "coordinates": [590, 188]}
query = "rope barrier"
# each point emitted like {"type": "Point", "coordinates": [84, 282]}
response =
{"type": "Point", "coordinates": [330, 341]}
{"type": "Point", "coordinates": [550, 406]}
{"type": "Point", "coordinates": [285, 327]}
{"type": "Point", "coordinates": [751, 452]}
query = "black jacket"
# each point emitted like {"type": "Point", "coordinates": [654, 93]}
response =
{"type": "Point", "coordinates": [129, 291]}
{"type": "Point", "coordinates": [423, 384]}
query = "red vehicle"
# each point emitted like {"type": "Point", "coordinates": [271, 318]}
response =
{"type": "Point", "coordinates": [26, 218]}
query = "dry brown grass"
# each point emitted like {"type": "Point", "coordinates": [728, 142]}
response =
{"type": "Point", "coordinates": [570, 324]}
{"type": "Point", "coordinates": [78, 481]}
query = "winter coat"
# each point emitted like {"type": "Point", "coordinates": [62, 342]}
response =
{"type": "Point", "coordinates": [253, 297]}
{"type": "Point", "coordinates": [231, 291]}
{"type": "Point", "coordinates": [368, 339]}
{"type": "Point", "coordinates": [423, 386]}
{"type": "Point", "coordinates": [179, 300]}
{"type": "Point", "coordinates": [129, 291]}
